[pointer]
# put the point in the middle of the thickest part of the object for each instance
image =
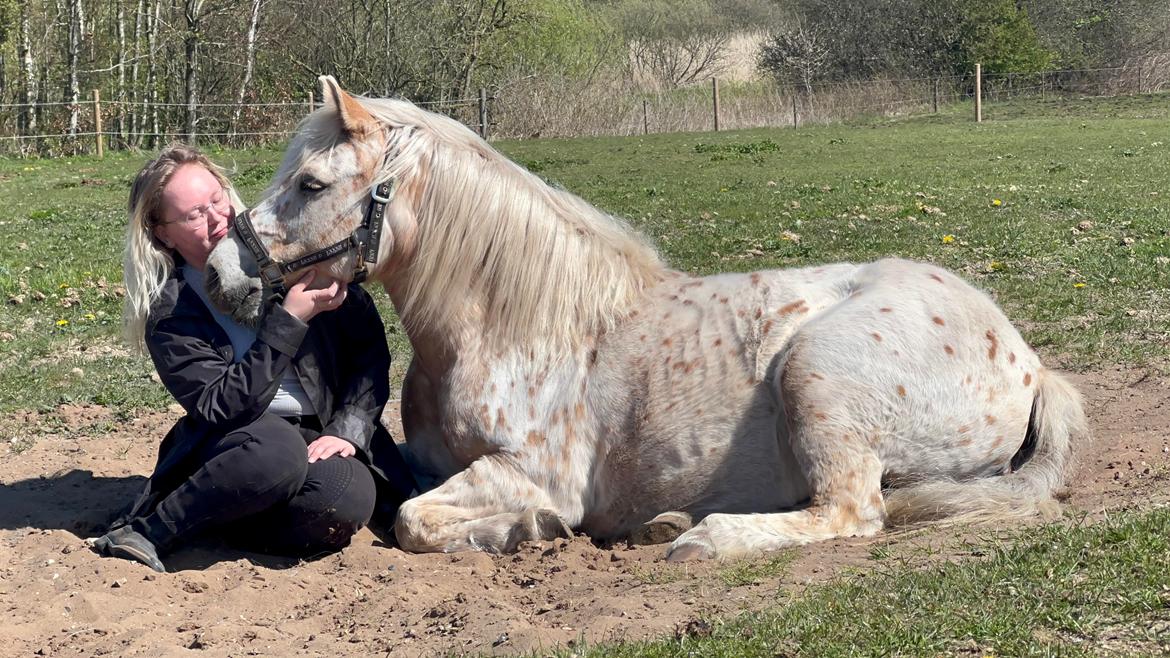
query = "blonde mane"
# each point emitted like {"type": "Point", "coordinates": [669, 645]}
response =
{"type": "Point", "coordinates": [546, 265]}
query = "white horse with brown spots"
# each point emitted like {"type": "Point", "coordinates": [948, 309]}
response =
{"type": "Point", "coordinates": [564, 377]}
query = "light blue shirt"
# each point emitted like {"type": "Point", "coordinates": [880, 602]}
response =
{"type": "Point", "coordinates": [291, 398]}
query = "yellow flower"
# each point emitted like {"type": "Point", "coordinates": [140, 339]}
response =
{"type": "Point", "coordinates": [62, 322]}
{"type": "Point", "coordinates": [90, 316]}
{"type": "Point", "coordinates": [1078, 285]}
{"type": "Point", "coordinates": [995, 266]}
{"type": "Point", "coordinates": [63, 286]}
{"type": "Point", "coordinates": [948, 238]}
{"type": "Point", "coordinates": [996, 203]}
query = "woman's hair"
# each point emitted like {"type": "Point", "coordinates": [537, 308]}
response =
{"type": "Point", "coordinates": [147, 262]}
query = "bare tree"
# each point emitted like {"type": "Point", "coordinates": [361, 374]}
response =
{"type": "Point", "coordinates": [676, 42]}
{"type": "Point", "coordinates": [797, 54]}
{"type": "Point", "coordinates": [193, 15]}
{"type": "Point", "coordinates": [76, 25]}
{"type": "Point", "coordinates": [249, 63]}
{"type": "Point", "coordinates": [27, 120]}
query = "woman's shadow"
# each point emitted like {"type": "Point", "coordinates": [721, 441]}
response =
{"type": "Point", "coordinates": [83, 505]}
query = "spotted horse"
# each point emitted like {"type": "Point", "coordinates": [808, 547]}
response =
{"type": "Point", "coordinates": [564, 377]}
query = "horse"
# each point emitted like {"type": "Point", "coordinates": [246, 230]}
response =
{"type": "Point", "coordinates": [564, 378]}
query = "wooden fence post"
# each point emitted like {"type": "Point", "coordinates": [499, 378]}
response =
{"type": "Point", "coordinates": [312, 102]}
{"type": "Point", "coordinates": [935, 104]}
{"type": "Point", "coordinates": [1139, 77]}
{"type": "Point", "coordinates": [97, 122]}
{"type": "Point", "coordinates": [978, 93]}
{"type": "Point", "coordinates": [715, 100]}
{"type": "Point", "coordinates": [483, 113]}
{"type": "Point", "coordinates": [645, 117]}
{"type": "Point", "coordinates": [793, 92]}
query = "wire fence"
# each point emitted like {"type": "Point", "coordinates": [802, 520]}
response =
{"type": "Point", "coordinates": [541, 108]}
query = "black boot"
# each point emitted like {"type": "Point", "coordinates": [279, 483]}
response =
{"type": "Point", "coordinates": [128, 544]}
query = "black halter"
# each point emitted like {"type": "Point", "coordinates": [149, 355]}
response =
{"type": "Point", "coordinates": [364, 240]}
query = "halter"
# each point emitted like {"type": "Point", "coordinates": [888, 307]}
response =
{"type": "Point", "coordinates": [364, 240]}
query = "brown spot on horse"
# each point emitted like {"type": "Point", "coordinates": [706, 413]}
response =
{"type": "Point", "coordinates": [901, 391]}
{"type": "Point", "coordinates": [798, 306]}
{"type": "Point", "coordinates": [991, 351]}
{"type": "Point", "coordinates": [877, 336]}
{"type": "Point", "coordinates": [949, 350]}
{"type": "Point", "coordinates": [939, 321]}
{"type": "Point", "coordinates": [1027, 379]}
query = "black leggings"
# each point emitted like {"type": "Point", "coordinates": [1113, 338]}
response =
{"type": "Point", "coordinates": [256, 488]}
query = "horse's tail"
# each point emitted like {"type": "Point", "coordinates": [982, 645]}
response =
{"type": "Point", "coordinates": [1057, 426]}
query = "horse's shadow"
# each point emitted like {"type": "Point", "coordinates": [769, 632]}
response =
{"type": "Point", "coordinates": [83, 505]}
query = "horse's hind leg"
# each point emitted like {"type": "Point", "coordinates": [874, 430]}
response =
{"type": "Point", "coordinates": [843, 470]}
{"type": "Point", "coordinates": [490, 506]}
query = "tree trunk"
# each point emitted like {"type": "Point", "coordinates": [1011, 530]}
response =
{"type": "Point", "coordinates": [249, 61]}
{"type": "Point", "coordinates": [136, 94]}
{"type": "Point", "coordinates": [73, 51]}
{"type": "Point", "coordinates": [28, 85]}
{"type": "Point", "coordinates": [152, 20]}
{"type": "Point", "coordinates": [121, 29]}
{"type": "Point", "coordinates": [192, 11]}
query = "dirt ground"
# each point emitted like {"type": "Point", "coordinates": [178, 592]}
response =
{"type": "Point", "coordinates": [64, 475]}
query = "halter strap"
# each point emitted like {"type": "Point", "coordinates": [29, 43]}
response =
{"type": "Point", "coordinates": [365, 240]}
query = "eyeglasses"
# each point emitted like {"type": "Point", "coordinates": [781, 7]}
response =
{"type": "Point", "coordinates": [202, 212]}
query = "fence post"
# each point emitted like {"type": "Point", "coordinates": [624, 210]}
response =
{"type": "Point", "coordinates": [978, 93]}
{"type": "Point", "coordinates": [935, 104]}
{"type": "Point", "coordinates": [645, 117]}
{"type": "Point", "coordinates": [792, 92]}
{"type": "Point", "coordinates": [312, 102]}
{"type": "Point", "coordinates": [1139, 77]}
{"type": "Point", "coordinates": [483, 113]}
{"type": "Point", "coordinates": [97, 121]}
{"type": "Point", "coordinates": [715, 99]}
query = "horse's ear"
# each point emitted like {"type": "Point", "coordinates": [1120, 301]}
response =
{"type": "Point", "coordinates": [355, 119]}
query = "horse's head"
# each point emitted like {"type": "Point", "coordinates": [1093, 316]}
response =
{"type": "Point", "coordinates": [322, 212]}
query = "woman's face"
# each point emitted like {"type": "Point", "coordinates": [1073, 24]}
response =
{"type": "Point", "coordinates": [196, 212]}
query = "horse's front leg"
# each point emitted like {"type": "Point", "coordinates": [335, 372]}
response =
{"type": "Point", "coordinates": [490, 506]}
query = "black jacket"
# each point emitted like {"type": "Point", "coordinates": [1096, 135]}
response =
{"type": "Point", "coordinates": [340, 357]}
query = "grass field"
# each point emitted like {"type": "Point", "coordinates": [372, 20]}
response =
{"type": "Point", "coordinates": [1060, 210]}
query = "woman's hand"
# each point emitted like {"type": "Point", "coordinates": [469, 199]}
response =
{"type": "Point", "coordinates": [326, 446]}
{"type": "Point", "coordinates": [306, 304]}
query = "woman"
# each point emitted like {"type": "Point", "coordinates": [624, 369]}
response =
{"type": "Point", "coordinates": [281, 448]}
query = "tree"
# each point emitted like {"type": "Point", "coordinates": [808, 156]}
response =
{"type": "Point", "coordinates": [795, 55]}
{"type": "Point", "coordinates": [675, 42]}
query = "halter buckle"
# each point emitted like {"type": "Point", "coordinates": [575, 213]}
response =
{"type": "Point", "coordinates": [389, 192]}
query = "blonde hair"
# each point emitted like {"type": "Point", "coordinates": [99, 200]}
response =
{"type": "Point", "coordinates": [147, 262]}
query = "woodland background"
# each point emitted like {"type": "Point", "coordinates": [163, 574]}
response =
{"type": "Point", "coordinates": [242, 72]}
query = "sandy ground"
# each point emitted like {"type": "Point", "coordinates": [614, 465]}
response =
{"type": "Point", "coordinates": [59, 598]}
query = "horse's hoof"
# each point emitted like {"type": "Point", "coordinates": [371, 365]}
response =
{"type": "Point", "coordinates": [536, 525]}
{"type": "Point", "coordinates": [666, 527]}
{"type": "Point", "coordinates": [549, 525]}
{"type": "Point", "coordinates": [689, 551]}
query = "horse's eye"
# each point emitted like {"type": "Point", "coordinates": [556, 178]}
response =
{"type": "Point", "coordinates": [311, 185]}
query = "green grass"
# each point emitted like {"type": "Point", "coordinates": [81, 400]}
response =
{"type": "Point", "coordinates": [751, 572]}
{"type": "Point", "coordinates": [1083, 591]}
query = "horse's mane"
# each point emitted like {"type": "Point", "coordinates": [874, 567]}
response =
{"type": "Point", "coordinates": [545, 264]}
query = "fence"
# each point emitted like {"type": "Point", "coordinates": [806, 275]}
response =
{"type": "Point", "coordinates": [542, 108]}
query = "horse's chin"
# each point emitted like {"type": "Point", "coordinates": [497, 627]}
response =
{"type": "Point", "coordinates": [242, 299]}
